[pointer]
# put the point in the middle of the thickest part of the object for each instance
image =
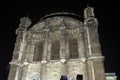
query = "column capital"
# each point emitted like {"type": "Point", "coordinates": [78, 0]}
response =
{"type": "Point", "coordinates": [44, 61]}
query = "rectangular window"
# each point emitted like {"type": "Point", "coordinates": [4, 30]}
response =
{"type": "Point", "coordinates": [38, 52]}
{"type": "Point", "coordinates": [73, 48]}
{"type": "Point", "coordinates": [55, 50]}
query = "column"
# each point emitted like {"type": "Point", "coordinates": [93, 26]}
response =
{"type": "Point", "coordinates": [12, 72]}
{"type": "Point", "coordinates": [32, 51]}
{"type": "Point", "coordinates": [18, 75]}
{"type": "Point", "coordinates": [67, 50]}
{"type": "Point", "coordinates": [20, 58]}
{"type": "Point", "coordinates": [81, 45]}
{"type": "Point", "coordinates": [49, 51]}
{"type": "Point", "coordinates": [82, 53]}
{"type": "Point", "coordinates": [43, 71]}
{"type": "Point", "coordinates": [63, 44]}
{"type": "Point", "coordinates": [22, 47]}
{"type": "Point", "coordinates": [45, 47]}
{"type": "Point", "coordinates": [45, 53]}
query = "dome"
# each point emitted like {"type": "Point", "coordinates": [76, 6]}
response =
{"type": "Point", "coordinates": [55, 20]}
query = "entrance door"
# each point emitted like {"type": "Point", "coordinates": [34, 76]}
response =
{"type": "Point", "coordinates": [63, 77]}
{"type": "Point", "coordinates": [79, 77]}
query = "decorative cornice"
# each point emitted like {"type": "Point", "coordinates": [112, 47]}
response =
{"type": "Point", "coordinates": [91, 20]}
{"type": "Point", "coordinates": [44, 61]}
{"type": "Point", "coordinates": [63, 60]}
{"type": "Point", "coordinates": [95, 57]}
{"type": "Point", "coordinates": [83, 59]}
{"type": "Point", "coordinates": [60, 13]}
{"type": "Point", "coordinates": [18, 63]}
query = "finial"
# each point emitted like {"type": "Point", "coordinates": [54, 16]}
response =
{"type": "Point", "coordinates": [88, 12]}
{"type": "Point", "coordinates": [25, 22]}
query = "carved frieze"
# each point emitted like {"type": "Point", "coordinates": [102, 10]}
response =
{"type": "Point", "coordinates": [35, 76]}
{"type": "Point", "coordinates": [37, 37]}
{"type": "Point", "coordinates": [73, 33]}
{"type": "Point", "coordinates": [55, 35]}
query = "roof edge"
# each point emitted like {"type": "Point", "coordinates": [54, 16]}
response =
{"type": "Point", "coordinates": [61, 14]}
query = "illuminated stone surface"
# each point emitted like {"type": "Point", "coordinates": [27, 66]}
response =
{"type": "Point", "coordinates": [58, 45]}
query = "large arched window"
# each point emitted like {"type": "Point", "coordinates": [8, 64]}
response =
{"type": "Point", "coordinates": [38, 52]}
{"type": "Point", "coordinates": [73, 48]}
{"type": "Point", "coordinates": [55, 50]}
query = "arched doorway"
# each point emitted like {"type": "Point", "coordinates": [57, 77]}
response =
{"type": "Point", "coordinates": [79, 77]}
{"type": "Point", "coordinates": [63, 77]}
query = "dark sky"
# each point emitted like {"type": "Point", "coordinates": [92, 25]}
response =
{"type": "Point", "coordinates": [105, 10]}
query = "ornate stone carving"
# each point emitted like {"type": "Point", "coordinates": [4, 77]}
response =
{"type": "Point", "coordinates": [25, 22]}
{"type": "Point", "coordinates": [72, 36]}
{"type": "Point", "coordinates": [54, 36]}
{"type": "Point", "coordinates": [37, 37]}
{"type": "Point", "coordinates": [56, 22]}
{"type": "Point", "coordinates": [88, 12]}
{"type": "Point", "coordinates": [72, 77]}
{"type": "Point", "coordinates": [35, 76]}
{"type": "Point", "coordinates": [74, 33]}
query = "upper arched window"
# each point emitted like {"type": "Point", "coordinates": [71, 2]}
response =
{"type": "Point", "coordinates": [55, 50]}
{"type": "Point", "coordinates": [73, 48]}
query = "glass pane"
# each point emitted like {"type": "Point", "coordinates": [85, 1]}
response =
{"type": "Point", "coordinates": [55, 48]}
{"type": "Point", "coordinates": [38, 52]}
{"type": "Point", "coordinates": [73, 48]}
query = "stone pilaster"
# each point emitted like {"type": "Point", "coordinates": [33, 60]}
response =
{"type": "Point", "coordinates": [43, 71]}
{"type": "Point", "coordinates": [16, 49]}
{"type": "Point", "coordinates": [67, 50]}
{"type": "Point", "coordinates": [81, 45]}
{"type": "Point", "coordinates": [96, 68]}
{"type": "Point", "coordinates": [49, 51]}
{"type": "Point", "coordinates": [18, 75]}
{"type": "Point", "coordinates": [22, 47]}
{"type": "Point", "coordinates": [45, 46]}
{"type": "Point", "coordinates": [32, 51]}
{"type": "Point", "coordinates": [12, 73]}
{"type": "Point", "coordinates": [18, 63]}
{"type": "Point", "coordinates": [63, 46]}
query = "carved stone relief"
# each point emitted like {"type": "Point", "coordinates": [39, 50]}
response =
{"type": "Point", "coordinates": [35, 76]}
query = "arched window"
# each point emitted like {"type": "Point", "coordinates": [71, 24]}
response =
{"type": "Point", "coordinates": [38, 52]}
{"type": "Point", "coordinates": [55, 50]}
{"type": "Point", "coordinates": [73, 48]}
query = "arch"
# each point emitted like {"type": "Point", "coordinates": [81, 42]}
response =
{"type": "Point", "coordinates": [54, 76]}
{"type": "Point", "coordinates": [35, 76]}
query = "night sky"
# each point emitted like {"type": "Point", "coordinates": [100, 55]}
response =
{"type": "Point", "coordinates": [106, 11]}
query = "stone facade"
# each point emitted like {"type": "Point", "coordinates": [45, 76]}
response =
{"type": "Point", "coordinates": [58, 45]}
